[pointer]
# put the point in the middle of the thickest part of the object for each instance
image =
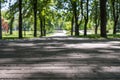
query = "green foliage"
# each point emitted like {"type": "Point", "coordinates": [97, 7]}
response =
{"type": "Point", "coordinates": [67, 26]}
{"type": "Point", "coordinates": [59, 14]}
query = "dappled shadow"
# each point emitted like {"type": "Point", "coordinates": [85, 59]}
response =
{"type": "Point", "coordinates": [60, 58]}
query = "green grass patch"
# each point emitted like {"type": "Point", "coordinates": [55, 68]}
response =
{"type": "Point", "coordinates": [29, 34]}
{"type": "Point", "coordinates": [26, 35]}
{"type": "Point", "coordinates": [94, 36]}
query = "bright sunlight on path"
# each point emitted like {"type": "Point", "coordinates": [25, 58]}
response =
{"type": "Point", "coordinates": [59, 33]}
{"type": "Point", "coordinates": [60, 59]}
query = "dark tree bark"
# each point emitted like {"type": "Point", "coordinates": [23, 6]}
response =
{"type": "Point", "coordinates": [116, 14]}
{"type": "Point", "coordinates": [96, 17]}
{"type": "Point", "coordinates": [76, 18]}
{"type": "Point", "coordinates": [81, 12]}
{"type": "Point", "coordinates": [81, 5]}
{"type": "Point", "coordinates": [96, 26]}
{"type": "Point", "coordinates": [11, 21]}
{"type": "Point", "coordinates": [20, 19]}
{"type": "Point", "coordinates": [103, 18]}
{"type": "Point", "coordinates": [41, 26]}
{"type": "Point", "coordinates": [0, 22]}
{"type": "Point", "coordinates": [35, 18]}
{"type": "Point", "coordinates": [86, 19]}
{"type": "Point", "coordinates": [72, 24]}
{"type": "Point", "coordinates": [44, 27]}
{"type": "Point", "coordinates": [114, 27]}
{"type": "Point", "coordinates": [85, 27]}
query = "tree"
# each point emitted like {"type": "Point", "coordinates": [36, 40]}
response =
{"type": "Point", "coordinates": [12, 18]}
{"type": "Point", "coordinates": [0, 22]}
{"type": "Point", "coordinates": [20, 19]}
{"type": "Point", "coordinates": [35, 17]}
{"type": "Point", "coordinates": [75, 14]}
{"type": "Point", "coordinates": [42, 10]}
{"type": "Point", "coordinates": [86, 18]}
{"type": "Point", "coordinates": [72, 25]}
{"type": "Point", "coordinates": [95, 15]}
{"type": "Point", "coordinates": [72, 7]}
{"type": "Point", "coordinates": [116, 13]}
{"type": "Point", "coordinates": [12, 13]}
{"type": "Point", "coordinates": [103, 18]}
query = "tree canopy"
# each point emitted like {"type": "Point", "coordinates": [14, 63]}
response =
{"type": "Point", "coordinates": [44, 16]}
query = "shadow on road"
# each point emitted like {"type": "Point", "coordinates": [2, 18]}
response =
{"type": "Point", "coordinates": [60, 58]}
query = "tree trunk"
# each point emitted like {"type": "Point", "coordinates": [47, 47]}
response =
{"type": "Point", "coordinates": [76, 19]}
{"type": "Point", "coordinates": [85, 27]}
{"type": "Point", "coordinates": [11, 25]}
{"type": "Point", "coordinates": [103, 18]}
{"type": "Point", "coordinates": [72, 24]}
{"type": "Point", "coordinates": [97, 23]}
{"type": "Point", "coordinates": [35, 18]}
{"type": "Point", "coordinates": [76, 27]}
{"type": "Point", "coordinates": [44, 29]}
{"type": "Point", "coordinates": [114, 27]}
{"type": "Point", "coordinates": [115, 15]}
{"type": "Point", "coordinates": [96, 29]}
{"type": "Point", "coordinates": [20, 19]}
{"type": "Point", "coordinates": [96, 17]}
{"type": "Point", "coordinates": [0, 22]}
{"type": "Point", "coordinates": [86, 19]}
{"type": "Point", "coordinates": [41, 26]}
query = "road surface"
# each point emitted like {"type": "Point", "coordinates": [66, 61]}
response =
{"type": "Point", "coordinates": [60, 59]}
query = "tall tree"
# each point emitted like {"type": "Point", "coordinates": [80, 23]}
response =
{"type": "Point", "coordinates": [72, 25]}
{"type": "Point", "coordinates": [41, 26]}
{"type": "Point", "coordinates": [75, 13]}
{"type": "Point", "coordinates": [96, 18]}
{"type": "Point", "coordinates": [0, 22]}
{"type": "Point", "coordinates": [35, 17]}
{"type": "Point", "coordinates": [86, 18]}
{"type": "Point", "coordinates": [42, 10]}
{"type": "Point", "coordinates": [20, 19]}
{"type": "Point", "coordinates": [103, 18]}
{"type": "Point", "coordinates": [44, 27]}
{"type": "Point", "coordinates": [116, 13]}
{"type": "Point", "coordinates": [95, 14]}
{"type": "Point", "coordinates": [12, 18]}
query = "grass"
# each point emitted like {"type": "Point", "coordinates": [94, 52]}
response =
{"type": "Point", "coordinates": [97, 36]}
{"type": "Point", "coordinates": [29, 34]}
{"type": "Point", "coordinates": [26, 35]}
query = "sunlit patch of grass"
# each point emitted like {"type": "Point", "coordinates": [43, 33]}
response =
{"type": "Point", "coordinates": [29, 34]}
{"type": "Point", "coordinates": [97, 36]}
{"type": "Point", "coordinates": [26, 35]}
{"type": "Point", "coordinates": [9, 36]}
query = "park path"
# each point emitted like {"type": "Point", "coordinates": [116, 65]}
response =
{"type": "Point", "coordinates": [59, 33]}
{"type": "Point", "coordinates": [60, 58]}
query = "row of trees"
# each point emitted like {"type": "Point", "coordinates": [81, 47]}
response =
{"type": "Point", "coordinates": [96, 11]}
{"type": "Point", "coordinates": [23, 10]}
{"type": "Point", "coordinates": [77, 12]}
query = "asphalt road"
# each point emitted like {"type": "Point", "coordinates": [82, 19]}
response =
{"type": "Point", "coordinates": [60, 58]}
